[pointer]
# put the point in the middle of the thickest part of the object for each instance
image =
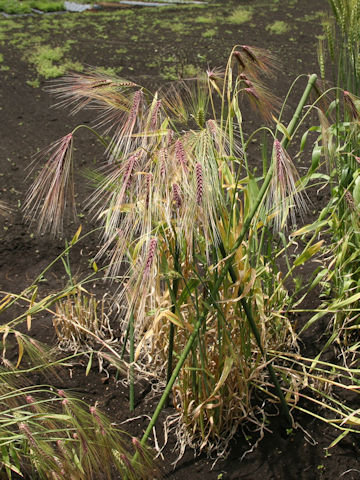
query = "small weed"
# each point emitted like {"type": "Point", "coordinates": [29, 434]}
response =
{"type": "Point", "coordinates": [169, 72]}
{"type": "Point", "coordinates": [189, 70]}
{"type": "Point", "coordinates": [109, 70]}
{"type": "Point", "coordinates": [312, 17]}
{"type": "Point", "coordinates": [241, 15]}
{"type": "Point", "coordinates": [34, 83]}
{"type": "Point", "coordinates": [48, 6]}
{"type": "Point", "coordinates": [177, 27]}
{"type": "Point", "coordinates": [121, 51]}
{"type": "Point", "coordinates": [211, 32]}
{"type": "Point", "coordinates": [205, 19]}
{"type": "Point", "coordinates": [13, 7]}
{"type": "Point", "coordinates": [50, 63]}
{"type": "Point", "coordinates": [279, 27]}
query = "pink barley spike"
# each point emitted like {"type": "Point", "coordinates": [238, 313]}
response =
{"type": "Point", "coordinates": [26, 430]}
{"type": "Point", "coordinates": [249, 52]}
{"type": "Point", "coordinates": [163, 159]}
{"type": "Point", "coordinates": [148, 182]}
{"type": "Point", "coordinates": [155, 114]}
{"type": "Point", "coordinates": [97, 420]}
{"type": "Point", "coordinates": [135, 105]}
{"type": "Point", "coordinates": [212, 127]}
{"type": "Point", "coordinates": [83, 443]}
{"type": "Point", "coordinates": [253, 93]}
{"type": "Point", "coordinates": [280, 161]}
{"type": "Point", "coordinates": [150, 255]}
{"type": "Point", "coordinates": [169, 136]}
{"type": "Point", "coordinates": [238, 57]}
{"type": "Point", "coordinates": [31, 401]}
{"type": "Point", "coordinates": [177, 195]}
{"type": "Point", "coordinates": [139, 448]}
{"type": "Point", "coordinates": [127, 464]}
{"type": "Point", "coordinates": [199, 183]}
{"type": "Point", "coordinates": [61, 448]}
{"type": "Point", "coordinates": [180, 153]}
{"type": "Point", "coordinates": [129, 167]}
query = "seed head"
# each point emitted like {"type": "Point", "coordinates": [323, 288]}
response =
{"type": "Point", "coordinates": [148, 182]}
{"type": "Point", "coordinates": [285, 197]}
{"type": "Point", "coordinates": [97, 419]}
{"type": "Point", "coordinates": [237, 55]}
{"type": "Point", "coordinates": [260, 98]}
{"type": "Point", "coordinates": [53, 189]}
{"type": "Point", "coordinates": [150, 256]}
{"type": "Point", "coordinates": [127, 464]}
{"type": "Point", "coordinates": [177, 195]}
{"type": "Point", "coordinates": [199, 183]}
{"type": "Point", "coordinates": [128, 171]}
{"type": "Point", "coordinates": [135, 105]}
{"type": "Point", "coordinates": [352, 104]}
{"type": "Point", "coordinates": [24, 428]}
{"type": "Point", "coordinates": [180, 154]}
{"type": "Point", "coordinates": [258, 60]}
{"type": "Point", "coordinates": [31, 401]}
{"type": "Point", "coordinates": [350, 201]}
{"type": "Point", "coordinates": [155, 114]}
{"type": "Point", "coordinates": [163, 161]}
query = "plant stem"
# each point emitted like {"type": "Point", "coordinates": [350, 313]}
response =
{"type": "Point", "coordinates": [131, 387]}
{"type": "Point", "coordinates": [173, 293]}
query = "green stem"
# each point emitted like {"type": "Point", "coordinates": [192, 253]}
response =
{"type": "Point", "coordinates": [131, 387]}
{"type": "Point", "coordinates": [105, 144]}
{"type": "Point", "coordinates": [173, 294]}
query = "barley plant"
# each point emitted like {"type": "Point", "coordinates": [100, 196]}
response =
{"type": "Point", "coordinates": [199, 235]}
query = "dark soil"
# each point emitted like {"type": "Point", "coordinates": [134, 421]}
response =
{"type": "Point", "coordinates": [149, 46]}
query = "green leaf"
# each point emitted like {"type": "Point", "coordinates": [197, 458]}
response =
{"type": "Point", "coordinates": [303, 141]}
{"type": "Point", "coordinates": [309, 228]}
{"type": "Point", "coordinates": [338, 438]}
{"type": "Point", "coordinates": [76, 236]}
{"type": "Point", "coordinates": [308, 253]}
{"type": "Point", "coordinates": [356, 192]}
{"type": "Point", "coordinates": [281, 127]}
{"type": "Point", "coordinates": [315, 158]}
{"type": "Point", "coordinates": [88, 367]}
{"type": "Point", "coordinates": [344, 303]}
